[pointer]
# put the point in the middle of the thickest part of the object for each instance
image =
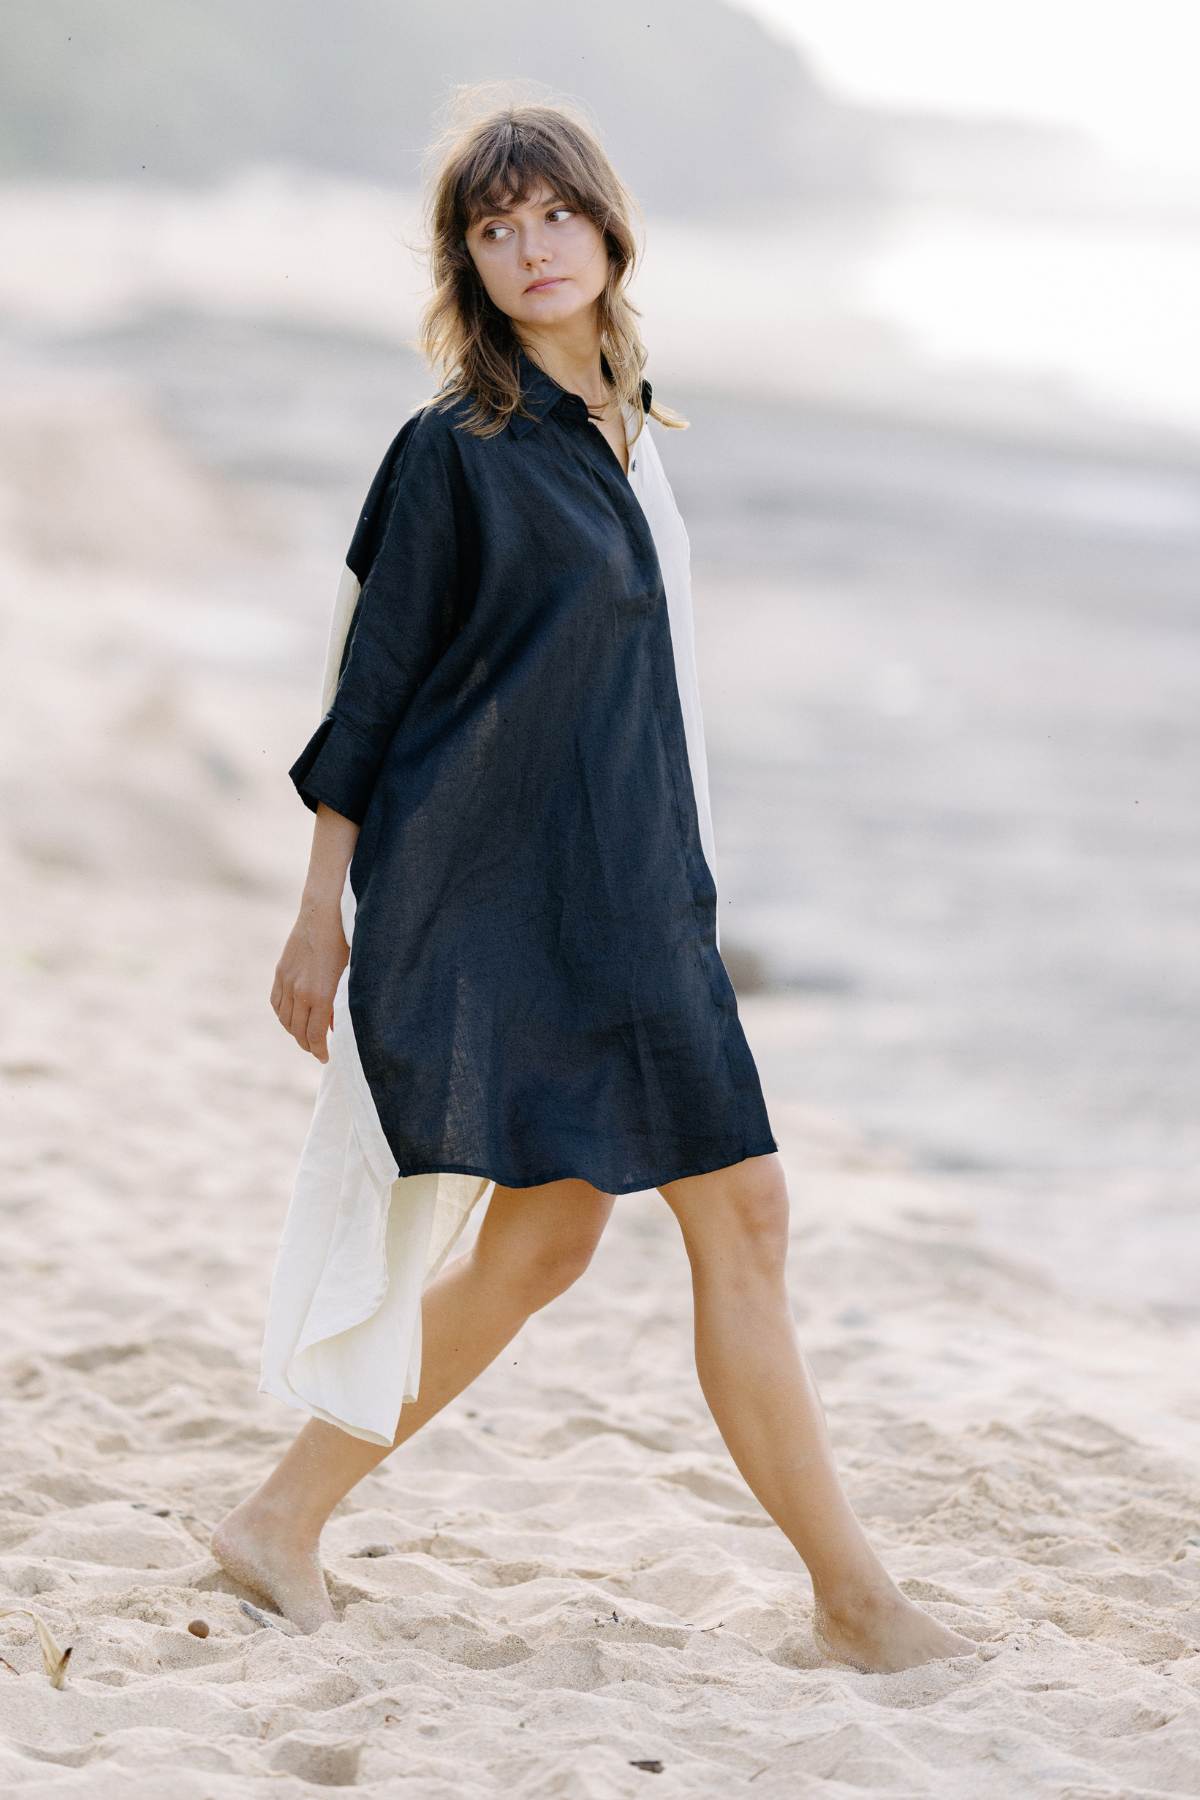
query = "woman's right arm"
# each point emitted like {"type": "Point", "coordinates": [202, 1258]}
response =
{"type": "Point", "coordinates": [310, 967]}
{"type": "Point", "coordinates": [406, 552]}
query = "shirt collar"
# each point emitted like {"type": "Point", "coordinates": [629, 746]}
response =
{"type": "Point", "coordinates": [540, 393]}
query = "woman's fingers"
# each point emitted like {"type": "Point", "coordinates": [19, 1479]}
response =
{"type": "Point", "coordinates": [299, 1025]}
{"type": "Point", "coordinates": [318, 1025]}
{"type": "Point", "coordinates": [306, 1020]}
{"type": "Point", "coordinates": [281, 1000]}
{"type": "Point", "coordinates": [306, 980]}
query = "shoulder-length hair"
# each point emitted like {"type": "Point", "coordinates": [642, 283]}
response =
{"type": "Point", "coordinates": [500, 159]}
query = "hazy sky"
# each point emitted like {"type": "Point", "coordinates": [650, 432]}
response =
{"type": "Point", "coordinates": [1126, 72]}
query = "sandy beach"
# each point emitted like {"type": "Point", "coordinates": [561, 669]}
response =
{"type": "Point", "coordinates": [507, 1618]}
{"type": "Point", "coordinates": [510, 1616]}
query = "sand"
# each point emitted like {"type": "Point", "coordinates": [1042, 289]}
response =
{"type": "Point", "coordinates": [562, 1575]}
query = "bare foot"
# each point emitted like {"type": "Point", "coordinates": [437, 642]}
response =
{"type": "Point", "coordinates": [883, 1631]}
{"type": "Point", "coordinates": [253, 1546]}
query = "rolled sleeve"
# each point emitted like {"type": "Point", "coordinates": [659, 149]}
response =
{"type": "Point", "coordinates": [337, 767]}
{"type": "Point", "coordinates": [405, 554]}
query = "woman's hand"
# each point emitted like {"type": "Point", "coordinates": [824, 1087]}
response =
{"type": "Point", "coordinates": [307, 975]}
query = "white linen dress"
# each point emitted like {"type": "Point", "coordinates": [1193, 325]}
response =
{"type": "Point", "coordinates": [342, 1340]}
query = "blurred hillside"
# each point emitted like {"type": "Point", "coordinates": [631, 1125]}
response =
{"type": "Point", "coordinates": [189, 90]}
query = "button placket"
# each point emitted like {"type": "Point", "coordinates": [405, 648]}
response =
{"type": "Point", "coordinates": [669, 718]}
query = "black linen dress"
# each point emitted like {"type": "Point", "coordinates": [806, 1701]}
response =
{"type": "Point", "coordinates": [534, 982]}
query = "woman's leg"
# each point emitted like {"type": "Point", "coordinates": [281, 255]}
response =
{"type": "Point", "coordinates": [763, 1397]}
{"type": "Point", "coordinates": [532, 1243]}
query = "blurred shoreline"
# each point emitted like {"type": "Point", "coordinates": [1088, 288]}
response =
{"type": "Point", "coordinates": [956, 306]}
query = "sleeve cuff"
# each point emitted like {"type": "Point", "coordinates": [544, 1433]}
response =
{"type": "Point", "coordinates": [338, 767]}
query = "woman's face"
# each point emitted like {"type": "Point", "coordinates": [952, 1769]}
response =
{"type": "Point", "coordinates": [541, 240]}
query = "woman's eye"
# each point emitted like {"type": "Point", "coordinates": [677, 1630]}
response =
{"type": "Point", "coordinates": [488, 229]}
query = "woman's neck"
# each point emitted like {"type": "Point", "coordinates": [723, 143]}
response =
{"type": "Point", "coordinates": [580, 371]}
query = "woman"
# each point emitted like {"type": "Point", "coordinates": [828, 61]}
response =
{"type": "Point", "coordinates": [509, 919]}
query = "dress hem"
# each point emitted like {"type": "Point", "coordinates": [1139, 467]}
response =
{"type": "Point", "coordinates": [633, 1187]}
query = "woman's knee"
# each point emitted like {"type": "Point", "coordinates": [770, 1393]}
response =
{"type": "Point", "coordinates": [552, 1268]}
{"type": "Point", "coordinates": [538, 1241]}
{"type": "Point", "coordinates": [741, 1214]}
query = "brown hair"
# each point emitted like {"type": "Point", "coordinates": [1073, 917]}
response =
{"type": "Point", "coordinates": [500, 158]}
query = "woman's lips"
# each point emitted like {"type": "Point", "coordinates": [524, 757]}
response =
{"type": "Point", "coordinates": [535, 287]}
